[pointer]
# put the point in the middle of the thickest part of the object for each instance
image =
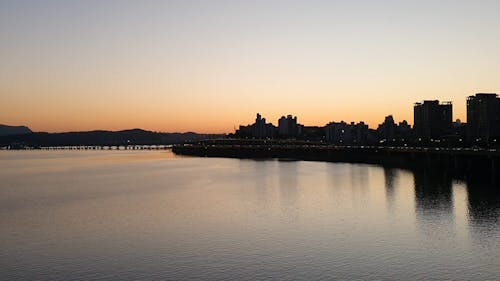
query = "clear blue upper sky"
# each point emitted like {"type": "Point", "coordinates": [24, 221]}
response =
{"type": "Point", "coordinates": [210, 65]}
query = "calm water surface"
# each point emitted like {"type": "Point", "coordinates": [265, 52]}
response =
{"type": "Point", "coordinates": [135, 215]}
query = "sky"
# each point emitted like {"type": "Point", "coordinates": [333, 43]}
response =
{"type": "Point", "coordinates": [209, 65]}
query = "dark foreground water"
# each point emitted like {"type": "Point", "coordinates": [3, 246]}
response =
{"type": "Point", "coordinates": [130, 215]}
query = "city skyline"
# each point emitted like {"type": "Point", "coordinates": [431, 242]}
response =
{"type": "Point", "coordinates": [432, 122]}
{"type": "Point", "coordinates": [249, 140]}
{"type": "Point", "coordinates": [410, 121]}
{"type": "Point", "coordinates": [207, 66]}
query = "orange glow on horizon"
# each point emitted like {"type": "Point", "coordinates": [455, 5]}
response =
{"type": "Point", "coordinates": [225, 122]}
{"type": "Point", "coordinates": [173, 67]}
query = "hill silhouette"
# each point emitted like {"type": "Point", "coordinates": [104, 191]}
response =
{"type": "Point", "coordinates": [101, 137]}
{"type": "Point", "coordinates": [6, 130]}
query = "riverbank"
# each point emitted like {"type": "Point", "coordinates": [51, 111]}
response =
{"type": "Point", "coordinates": [459, 162]}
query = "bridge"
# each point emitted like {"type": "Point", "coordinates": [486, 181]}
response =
{"type": "Point", "coordinates": [92, 147]}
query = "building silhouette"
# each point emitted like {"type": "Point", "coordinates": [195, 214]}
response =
{"type": "Point", "coordinates": [483, 117]}
{"type": "Point", "coordinates": [314, 133]}
{"type": "Point", "coordinates": [344, 133]}
{"type": "Point", "coordinates": [260, 129]}
{"type": "Point", "coordinates": [387, 130]}
{"type": "Point", "coordinates": [390, 131]}
{"type": "Point", "coordinates": [432, 126]}
{"type": "Point", "coordinates": [403, 130]}
{"type": "Point", "coordinates": [288, 127]}
{"type": "Point", "coordinates": [432, 119]}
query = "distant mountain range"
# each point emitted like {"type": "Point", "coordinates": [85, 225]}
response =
{"type": "Point", "coordinates": [6, 130]}
{"type": "Point", "coordinates": [126, 137]}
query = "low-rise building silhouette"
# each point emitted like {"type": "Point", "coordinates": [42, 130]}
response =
{"type": "Point", "coordinates": [387, 130]}
{"type": "Point", "coordinates": [403, 130]}
{"type": "Point", "coordinates": [344, 133]}
{"type": "Point", "coordinates": [390, 131]}
{"type": "Point", "coordinates": [315, 133]}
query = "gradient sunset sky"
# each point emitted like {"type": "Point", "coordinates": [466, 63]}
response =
{"type": "Point", "coordinates": [208, 65]}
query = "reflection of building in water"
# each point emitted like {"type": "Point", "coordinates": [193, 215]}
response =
{"type": "Point", "coordinates": [433, 195]}
{"type": "Point", "coordinates": [389, 177]}
{"type": "Point", "coordinates": [288, 188]}
{"type": "Point", "coordinates": [360, 178]}
{"type": "Point", "coordinates": [260, 193]}
{"type": "Point", "coordinates": [434, 207]}
{"type": "Point", "coordinates": [484, 205]}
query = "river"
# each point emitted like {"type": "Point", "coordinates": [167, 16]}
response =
{"type": "Point", "coordinates": [151, 215]}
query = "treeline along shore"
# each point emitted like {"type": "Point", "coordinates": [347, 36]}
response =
{"type": "Point", "coordinates": [464, 163]}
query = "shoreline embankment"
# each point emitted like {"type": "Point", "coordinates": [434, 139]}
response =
{"type": "Point", "coordinates": [463, 163]}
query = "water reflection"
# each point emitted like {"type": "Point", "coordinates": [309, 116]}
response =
{"type": "Point", "coordinates": [435, 198]}
{"type": "Point", "coordinates": [226, 219]}
{"type": "Point", "coordinates": [484, 222]}
{"type": "Point", "coordinates": [484, 206]}
{"type": "Point", "coordinates": [389, 178]}
{"type": "Point", "coordinates": [288, 188]}
{"type": "Point", "coordinates": [444, 207]}
{"type": "Point", "coordinates": [359, 183]}
{"type": "Point", "coordinates": [360, 176]}
{"type": "Point", "coordinates": [262, 179]}
{"type": "Point", "coordinates": [433, 194]}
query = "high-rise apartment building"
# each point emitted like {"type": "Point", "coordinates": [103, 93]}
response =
{"type": "Point", "coordinates": [483, 116]}
{"type": "Point", "coordinates": [432, 119]}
